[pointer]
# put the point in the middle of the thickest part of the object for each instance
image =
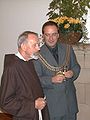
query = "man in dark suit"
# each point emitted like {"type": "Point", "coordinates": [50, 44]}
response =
{"type": "Point", "coordinates": [57, 69]}
{"type": "Point", "coordinates": [21, 94]}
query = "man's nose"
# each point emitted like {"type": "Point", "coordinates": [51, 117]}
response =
{"type": "Point", "coordinates": [51, 37]}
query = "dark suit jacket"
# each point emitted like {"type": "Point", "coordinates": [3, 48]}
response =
{"type": "Point", "coordinates": [61, 98]}
{"type": "Point", "coordinates": [20, 87]}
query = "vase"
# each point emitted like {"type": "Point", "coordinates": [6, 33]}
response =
{"type": "Point", "coordinates": [70, 38]}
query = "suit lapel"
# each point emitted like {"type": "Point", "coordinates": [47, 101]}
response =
{"type": "Point", "coordinates": [61, 54]}
{"type": "Point", "coordinates": [48, 56]}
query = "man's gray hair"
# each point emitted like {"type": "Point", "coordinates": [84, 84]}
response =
{"type": "Point", "coordinates": [23, 37]}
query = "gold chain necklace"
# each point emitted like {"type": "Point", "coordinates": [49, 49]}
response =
{"type": "Point", "coordinates": [59, 69]}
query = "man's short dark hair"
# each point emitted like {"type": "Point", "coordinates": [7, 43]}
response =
{"type": "Point", "coordinates": [49, 23]}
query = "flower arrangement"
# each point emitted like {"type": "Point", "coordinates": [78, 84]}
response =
{"type": "Point", "coordinates": [68, 24]}
{"type": "Point", "coordinates": [58, 11]}
{"type": "Point", "coordinates": [70, 29]}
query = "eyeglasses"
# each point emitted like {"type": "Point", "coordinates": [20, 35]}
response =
{"type": "Point", "coordinates": [51, 34]}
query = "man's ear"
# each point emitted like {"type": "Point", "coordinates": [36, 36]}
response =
{"type": "Point", "coordinates": [58, 35]}
{"type": "Point", "coordinates": [42, 37]}
{"type": "Point", "coordinates": [23, 46]}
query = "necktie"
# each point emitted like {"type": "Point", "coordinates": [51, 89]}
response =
{"type": "Point", "coordinates": [55, 53]}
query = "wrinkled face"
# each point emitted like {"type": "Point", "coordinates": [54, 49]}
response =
{"type": "Point", "coordinates": [51, 35]}
{"type": "Point", "coordinates": [32, 45]}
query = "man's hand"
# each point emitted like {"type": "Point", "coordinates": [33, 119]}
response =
{"type": "Point", "coordinates": [58, 78]}
{"type": "Point", "coordinates": [68, 74]}
{"type": "Point", "coordinates": [40, 103]}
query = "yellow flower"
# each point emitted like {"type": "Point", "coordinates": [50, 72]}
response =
{"type": "Point", "coordinates": [66, 26]}
{"type": "Point", "coordinates": [77, 21]}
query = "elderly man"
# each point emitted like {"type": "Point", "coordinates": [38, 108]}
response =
{"type": "Point", "coordinates": [21, 94]}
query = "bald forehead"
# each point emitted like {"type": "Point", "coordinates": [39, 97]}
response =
{"type": "Point", "coordinates": [32, 36]}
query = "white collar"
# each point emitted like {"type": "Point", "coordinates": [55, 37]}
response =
{"type": "Point", "coordinates": [20, 56]}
